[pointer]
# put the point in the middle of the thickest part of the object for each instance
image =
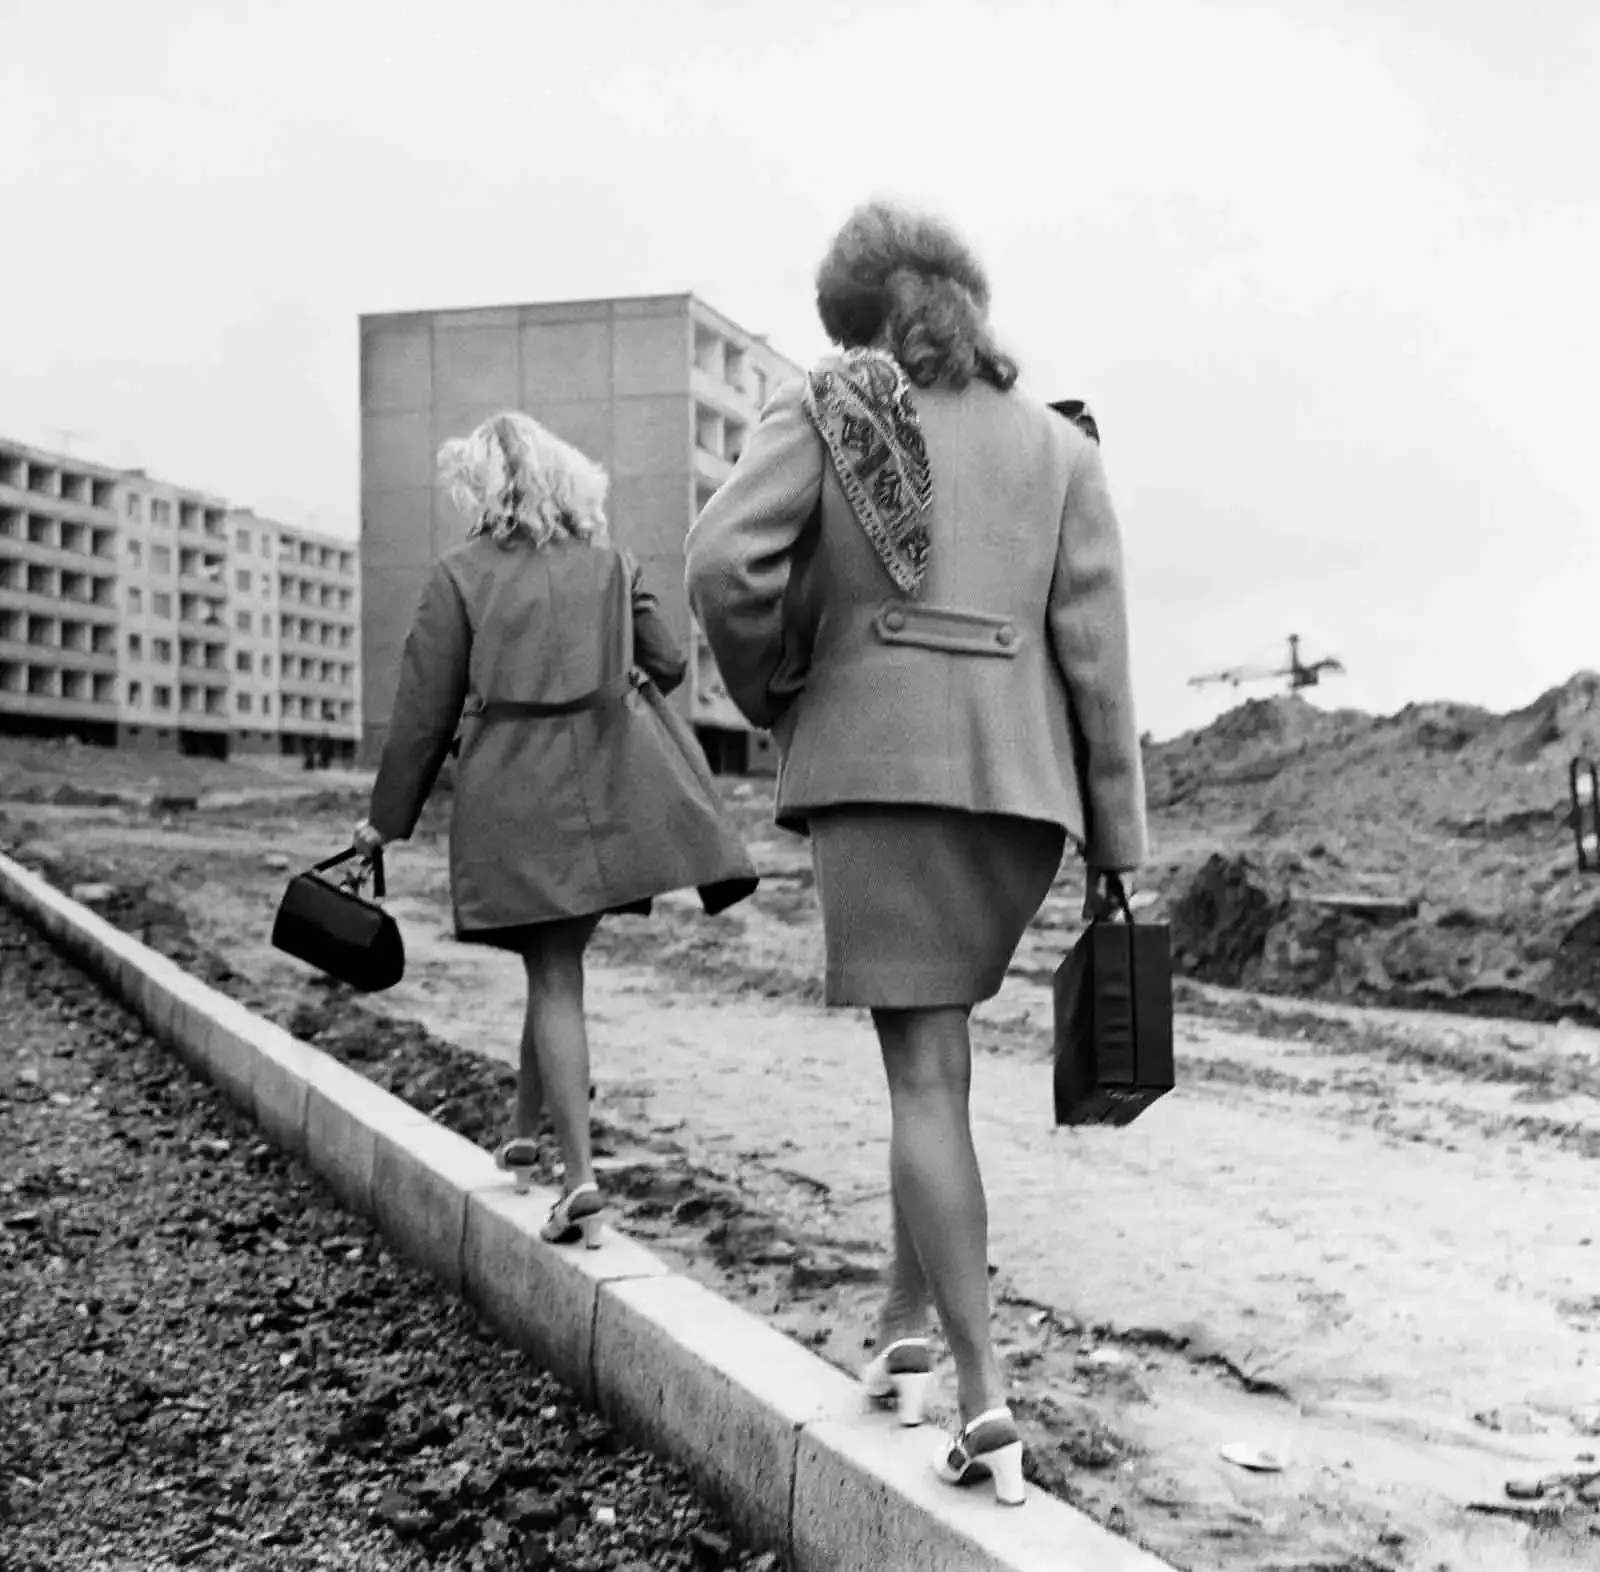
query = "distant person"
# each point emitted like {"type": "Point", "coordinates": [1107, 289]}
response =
{"type": "Point", "coordinates": [574, 795]}
{"type": "Point", "coordinates": [914, 578]}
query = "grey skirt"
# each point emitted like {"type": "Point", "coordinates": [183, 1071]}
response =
{"type": "Point", "coordinates": [925, 907]}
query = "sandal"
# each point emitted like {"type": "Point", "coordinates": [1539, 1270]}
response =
{"type": "Point", "coordinates": [901, 1373]}
{"type": "Point", "coordinates": [520, 1156]}
{"type": "Point", "coordinates": [578, 1214]}
{"type": "Point", "coordinates": [986, 1448]}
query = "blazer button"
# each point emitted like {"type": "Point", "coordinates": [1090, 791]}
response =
{"type": "Point", "coordinates": [1006, 637]}
{"type": "Point", "coordinates": [894, 621]}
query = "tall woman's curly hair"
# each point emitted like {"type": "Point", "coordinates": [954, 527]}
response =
{"type": "Point", "coordinates": [906, 281]}
{"type": "Point", "coordinates": [517, 481]}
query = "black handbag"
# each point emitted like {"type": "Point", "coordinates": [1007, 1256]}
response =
{"type": "Point", "coordinates": [1113, 1009]}
{"type": "Point", "coordinates": [335, 929]}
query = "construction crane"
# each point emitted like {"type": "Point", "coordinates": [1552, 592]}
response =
{"type": "Point", "coordinates": [1299, 674]}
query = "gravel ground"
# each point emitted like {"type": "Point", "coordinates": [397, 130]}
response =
{"type": "Point", "coordinates": [208, 1364]}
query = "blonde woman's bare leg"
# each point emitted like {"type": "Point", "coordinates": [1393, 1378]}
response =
{"type": "Point", "coordinates": [560, 1038]}
{"type": "Point", "coordinates": [530, 1084]}
{"type": "Point", "coordinates": [927, 1055]}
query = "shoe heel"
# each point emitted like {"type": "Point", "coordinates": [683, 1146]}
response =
{"type": "Point", "coordinates": [523, 1178]}
{"type": "Point", "coordinates": [911, 1388]}
{"type": "Point", "coordinates": [1005, 1468]}
{"type": "Point", "coordinates": [591, 1227]}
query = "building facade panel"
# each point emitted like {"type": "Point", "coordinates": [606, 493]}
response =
{"type": "Point", "coordinates": [397, 527]}
{"type": "Point", "coordinates": [476, 365]}
{"type": "Point", "coordinates": [394, 450]}
{"type": "Point", "coordinates": [566, 362]}
{"type": "Point", "coordinates": [397, 369]}
{"type": "Point", "coordinates": [650, 354]}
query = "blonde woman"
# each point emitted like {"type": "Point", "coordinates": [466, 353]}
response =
{"type": "Point", "coordinates": [914, 577]}
{"type": "Point", "coordinates": [577, 792]}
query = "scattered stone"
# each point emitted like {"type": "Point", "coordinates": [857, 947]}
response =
{"type": "Point", "coordinates": [92, 894]}
{"type": "Point", "coordinates": [252, 1373]}
{"type": "Point", "coordinates": [1243, 1455]}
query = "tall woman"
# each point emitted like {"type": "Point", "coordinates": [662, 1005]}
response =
{"type": "Point", "coordinates": [914, 578]}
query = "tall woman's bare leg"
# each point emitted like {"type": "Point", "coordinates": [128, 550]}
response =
{"type": "Point", "coordinates": [927, 1055]}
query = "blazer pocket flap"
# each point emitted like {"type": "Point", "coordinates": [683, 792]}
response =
{"type": "Point", "coordinates": [945, 628]}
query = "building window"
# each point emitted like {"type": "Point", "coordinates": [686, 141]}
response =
{"type": "Point", "coordinates": [162, 696]}
{"type": "Point", "coordinates": [162, 649]}
{"type": "Point", "coordinates": [266, 665]}
{"type": "Point", "coordinates": [161, 560]}
{"type": "Point", "coordinates": [161, 513]}
{"type": "Point", "coordinates": [135, 553]}
{"type": "Point", "coordinates": [242, 703]}
{"type": "Point", "coordinates": [266, 703]}
{"type": "Point", "coordinates": [241, 539]}
{"type": "Point", "coordinates": [135, 507]}
{"type": "Point", "coordinates": [161, 605]}
{"type": "Point", "coordinates": [136, 693]}
{"type": "Point", "coordinates": [241, 579]}
{"type": "Point", "coordinates": [135, 647]}
{"type": "Point", "coordinates": [136, 601]}
{"type": "Point", "coordinates": [266, 545]}
{"type": "Point", "coordinates": [758, 386]}
{"type": "Point", "coordinates": [241, 660]}
{"type": "Point", "coordinates": [241, 620]}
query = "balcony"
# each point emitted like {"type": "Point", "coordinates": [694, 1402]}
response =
{"type": "Point", "coordinates": [57, 706]}
{"type": "Point", "coordinates": [28, 652]}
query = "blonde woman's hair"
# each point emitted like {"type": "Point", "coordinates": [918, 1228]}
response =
{"type": "Point", "coordinates": [515, 480]}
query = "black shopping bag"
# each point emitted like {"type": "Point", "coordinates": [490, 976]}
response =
{"type": "Point", "coordinates": [1113, 998]}
{"type": "Point", "coordinates": [337, 931]}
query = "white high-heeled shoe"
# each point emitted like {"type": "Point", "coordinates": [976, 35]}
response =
{"type": "Point", "coordinates": [518, 1157]}
{"type": "Point", "coordinates": [901, 1373]}
{"type": "Point", "coordinates": [987, 1447]}
{"type": "Point", "coordinates": [579, 1213]}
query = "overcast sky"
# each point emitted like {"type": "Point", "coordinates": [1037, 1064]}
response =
{"type": "Point", "coordinates": [1327, 270]}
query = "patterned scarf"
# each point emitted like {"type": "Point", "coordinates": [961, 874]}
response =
{"type": "Point", "coordinates": [860, 403]}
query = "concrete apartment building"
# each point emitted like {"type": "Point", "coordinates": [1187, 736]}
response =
{"type": "Point", "coordinates": [661, 390]}
{"type": "Point", "coordinates": [296, 649]}
{"type": "Point", "coordinates": [173, 660]}
{"type": "Point", "coordinates": [137, 612]}
{"type": "Point", "coordinates": [60, 617]}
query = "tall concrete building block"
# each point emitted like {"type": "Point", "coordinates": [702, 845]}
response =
{"type": "Point", "coordinates": [659, 390]}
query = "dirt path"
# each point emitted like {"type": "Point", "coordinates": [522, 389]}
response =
{"type": "Point", "coordinates": [1369, 1245]}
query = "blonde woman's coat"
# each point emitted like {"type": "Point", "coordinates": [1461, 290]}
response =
{"type": "Point", "coordinates": [552, 816]}
{"type": "Point", "coordinates": [1002, 687]}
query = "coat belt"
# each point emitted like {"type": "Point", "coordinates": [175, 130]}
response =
{"type": "Point", "coordinates": [530, 709]}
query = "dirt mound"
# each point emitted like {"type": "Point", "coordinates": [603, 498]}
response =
{"type": "Point", "coordinates": [1277, 805]}
{"type": "Point", "coordinates": [1221, 921]}
{"type": "Point", "coordinates": [1568, 716]}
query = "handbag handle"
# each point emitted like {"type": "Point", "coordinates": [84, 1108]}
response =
{"type": "Point", "coordinates": [1112, 882]}
{"type": "Point", "coordinates": [379, 887]}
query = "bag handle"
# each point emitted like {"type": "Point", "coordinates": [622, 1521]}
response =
{"type": "Point", "coordinates": [1114, 886]}
{"type": "Point", "coordinates": [379, 886]}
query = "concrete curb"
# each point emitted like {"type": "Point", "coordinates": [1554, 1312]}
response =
{"type": "Point", "coordinates": [778, 1438]}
